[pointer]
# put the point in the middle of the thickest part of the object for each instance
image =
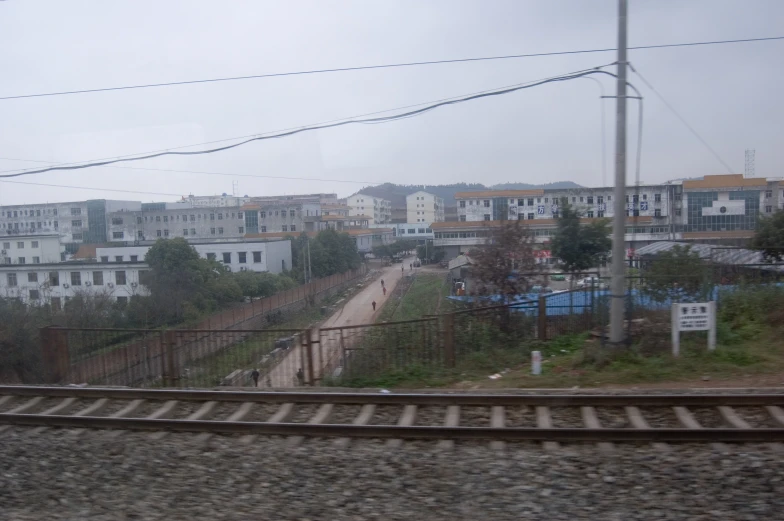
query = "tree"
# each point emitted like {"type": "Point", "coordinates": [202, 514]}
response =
{"type": "Point", "coordinates": [579, 247]}
{"type": "Point", "coordinates": [769, 238]}
{"type": "Point", "coordinates": [506, 265]}
{"type": "Point", "coordinates": [676, 275]}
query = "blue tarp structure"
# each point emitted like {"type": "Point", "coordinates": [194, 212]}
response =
{"type": "Point", "coordinates": [559, 304]}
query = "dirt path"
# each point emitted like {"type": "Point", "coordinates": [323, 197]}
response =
{"type": "Point", "coordinates": [357, 310]}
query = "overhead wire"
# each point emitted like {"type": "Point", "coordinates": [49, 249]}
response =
{"type": "Point", "coordinates": [382, 66]}
{"type": "Point", "coordinates": [682, 120]}
{"type": "Point", "coordinates": [224, 140]}
{"type": "Point", "coordinates": [566, 77]}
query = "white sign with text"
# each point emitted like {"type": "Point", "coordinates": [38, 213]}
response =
{"type": "Point", "coordinates": [693, 316]}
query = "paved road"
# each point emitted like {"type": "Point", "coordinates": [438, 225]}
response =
{"type": "Point", "coordinates": [357, 310]}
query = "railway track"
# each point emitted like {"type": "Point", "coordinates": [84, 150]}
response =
{"type": "Point", "coordinates": [498, 418]}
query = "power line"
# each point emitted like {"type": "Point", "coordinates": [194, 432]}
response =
{"type": "Point", "coordinates": [385, 119]}
{"type": "Point", "coordinates": [224, 140]}
{"type": "Point", "coordinates": [89, 188]}
{"type": "Point", "coordinates": [384, 66]}
{"type": "Point", "coordinates": [682, 120]}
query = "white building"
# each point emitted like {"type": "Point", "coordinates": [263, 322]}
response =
{"type": "Point", "coordinates": [54, 284]}
{"type": "Point", "coordinates": [31, 249]}
{"type": "Point", "coordinates": [410, 231]}
{"type": "Point", "coordinates": [215, 201]}
{"type": "Point", "coordinates": [374, 209]}
{"type": "Point", "coordinates": [271, 256]}
{"type": "Point", "coordinates": [424, 207]}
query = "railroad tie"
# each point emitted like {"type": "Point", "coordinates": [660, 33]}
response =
{"type": "Point", "coordinates": [281, 416]}
{"type": "Point", "coordinates": [25, 407]}
{"type": "Point", "coordinates": [236, 416]}
{"type": "Point", "coordinates": [164, 411]}
{"type": "Point", "coordinates": [688, 420]}
{"type": "Point", "coordinates": [638, 422]}
{"type": "Point", "coordinates": [545, 421]}
{"type": "Point", "coordinates": [591, 421]}
{"type": "Point", "coordinates": [96, 407]}
{"type": "Point", "coordinates": [497, 421]}
{"type": "Point", "coordinates": [5, 399]}
{"type": "Point", "coordinates": [452, 419]}
{"type": "Point", "coordinates": [63, 406]}
{"type": "Point", "coordinates": [363, 418]}
{"type": "Point", "coordinates": [733, 419]}
{"type": "Point", "coordinates": [125, 411]}
{"type": "Point", "coordinates": [201, 414]}
{"type": "Point", "coordinates": [320, 417]}
{"type": "Point", "coordinates": [406, 420]}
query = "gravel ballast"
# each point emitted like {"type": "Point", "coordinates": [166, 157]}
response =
{"type": "Point", "coordinates": [55, 475]}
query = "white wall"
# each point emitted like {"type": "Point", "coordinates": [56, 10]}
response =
{"type": "Point", "coordinates": [36, 249]}
{"type": "Point", "coordinates": [424, 207]}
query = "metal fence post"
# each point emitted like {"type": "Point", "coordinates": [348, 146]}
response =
{"type": "Point", "coordinates": [542, 328]}
{"type": "Point", "coordinates": [167, 363]}
{"type": "Point", "coordinates": [309, 355]}
{"type": "Point", "coordinates": [448, 335]}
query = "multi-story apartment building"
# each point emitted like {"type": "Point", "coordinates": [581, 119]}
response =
{"type": "Point", "coordinates": [416, 231]}
{"type": "Point", "coordinates": [375, 209]}
{"type": "Point", "coordinates": [721, 209]}
{"type": "Point", "coordinates": [423, 207]}
{"type": "Point", "coordinates": [74, 222]}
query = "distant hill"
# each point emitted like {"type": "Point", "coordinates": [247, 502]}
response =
{"type": "Point", "coordinates": [397, 193]}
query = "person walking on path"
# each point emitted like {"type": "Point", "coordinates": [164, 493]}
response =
{"type": "Point", "coordinates": [374, 305]}
{"type": "Point", "coordinates": [382, 283]}
{"type": "Point", "coordinates": [301, 377]}
{"type": "Point", "coordinates": [255, 377]}
{"type": "Point", "coordinates": [402, 269]}
{"type": "Point", "coordinates": [385, 291]}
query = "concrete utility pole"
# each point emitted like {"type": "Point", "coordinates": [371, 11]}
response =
{"type": "Point", "coordinates": [617, 282]}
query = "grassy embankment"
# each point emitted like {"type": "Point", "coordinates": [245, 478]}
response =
{"type": "Point", "coordinates": [750, 338]}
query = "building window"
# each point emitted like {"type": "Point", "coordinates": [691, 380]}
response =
{"type": "Point", "coordinates": [589, 214]}
{"type": "Point", "coordinates": [636, 198]}
{"type": "Point", "coordinates": [656, 198]}
{"type": "Point", "coordinates": [117, 235]}
{"type": "Point", "coordinates": [599, 213]}
{"type": "Point", "coordinates": [74, 211]}
{"type": "Point", "coordinates": [20, 245]}
{"type": "Point", "coordinates": [134, 258]}
{"type": "Point", "coordinates": [220, 231]}
{"type": "Point", "coordinates": [54, 278]}
{"type": "Point", "coordinates": [241, 229]}
{"type": "Point", "coordinates": [239, 215]}
{"type": "Point", "coordinates": [122, 301]}
{"type": "Point", "coordinates": [165, 233]}
{"type": "Point", "coordinates": [487, 217]}
{"type": "Point", "coordinates": [657, 212]}
{"type": "Point", "coordinates": [768, 194]}
{"type": "Point", "coordinates": [118, 258]}
{"type": "Point", "coordinates": [36, 260]}
{"type": "Point", "coordinates": [589, 199]}
{"type": "Point", "coordinates": [32, 277]}
{"type": "Point", "coordinates": [193, 218]}
{"type": "Point", "coordinates": [76, 224]}
{"type": "Point", "coordinates": [185, 232]}
{"type": "Point", "coordinates": [530, 216]}
{"type": "Point", "coordinates": [263, 229]}
{"type": "Point", "coordinates": [768, 209]}
{"type": "Point", "coordinates": [34, 294]}
{"type": "Point", "coordinates": [98, 278]}
{"type": "Point", "coordinates": [644, 197]}
{"type": "Point", "coordinates": [292, 213]}
{"type": "Point", "coordinates": [11, 277]}
{"type": "Point", "coordinates": [262, 214]}
{"type": "Point", "coordinates": [256, 257]}
{"type": "Point", "coordinates": [165, 218]}
{"type": "Point", "coordinates": [117, 221]}
{"type": "Point", "coordinates": [138, 220]}
{"type": "Point", "coordinates": [226, 257]}
{"type": "Point", "coordinates": [212, 231]}
{"type": "Point", "coordinates": [76, 278]}
{"type": "Point", "coordinates": [34, 244]}
{"type": "Point", "coordinates": [462, 204]}
{"type": "Point", "coordinates": [285, 228]}
{"type": "Point", "coordinates": [22, 260]}
{"type": "Point", "coordinates": [193, 232]}
{"type": "Point", "coordinates": [140, 234]}
{"type": "Point", "coordinates": [105, 258]}
{"type": "Point", "coordinates": [119, 278]}
{"type": "Point", "coordinates": [6, 245]}
{"type": "Point", "coordinates": [487, 203]}
{"type": "Point", "coordinates": [220, 216]}
{"type": "Point", "coordinates": [158, 218]}
{"type": "Point", "coordinates": [212, 217]}
{"type": "Point", "coordinates": [463, 218]}
{"type": "Point", "coordinates": [77, 236]}
{"type": "Point", "coordinates": [243, 257]}
{"type": "Point", "coordinates": [159, 233]}
{"type": "Point", "coordinates": [211, 256]}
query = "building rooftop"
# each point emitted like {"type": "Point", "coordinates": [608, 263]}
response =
{"type": "Point", "coordinates": [725, 181]}
{"type": "Point", "coordinates": [498, 193]}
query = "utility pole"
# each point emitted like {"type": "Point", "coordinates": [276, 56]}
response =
{"type": "Point", "coordinates": [617, 282]}
{"type": "Point", "coordinates": [310, 271]}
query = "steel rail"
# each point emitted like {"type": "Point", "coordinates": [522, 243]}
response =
{"type": "Point", "coordinates": [396, 431]}
{"type": "Point", "coordinates": [552, 400]}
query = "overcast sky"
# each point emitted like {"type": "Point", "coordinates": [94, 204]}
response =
{"type": "Point", "coordinates": [730, 93]}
